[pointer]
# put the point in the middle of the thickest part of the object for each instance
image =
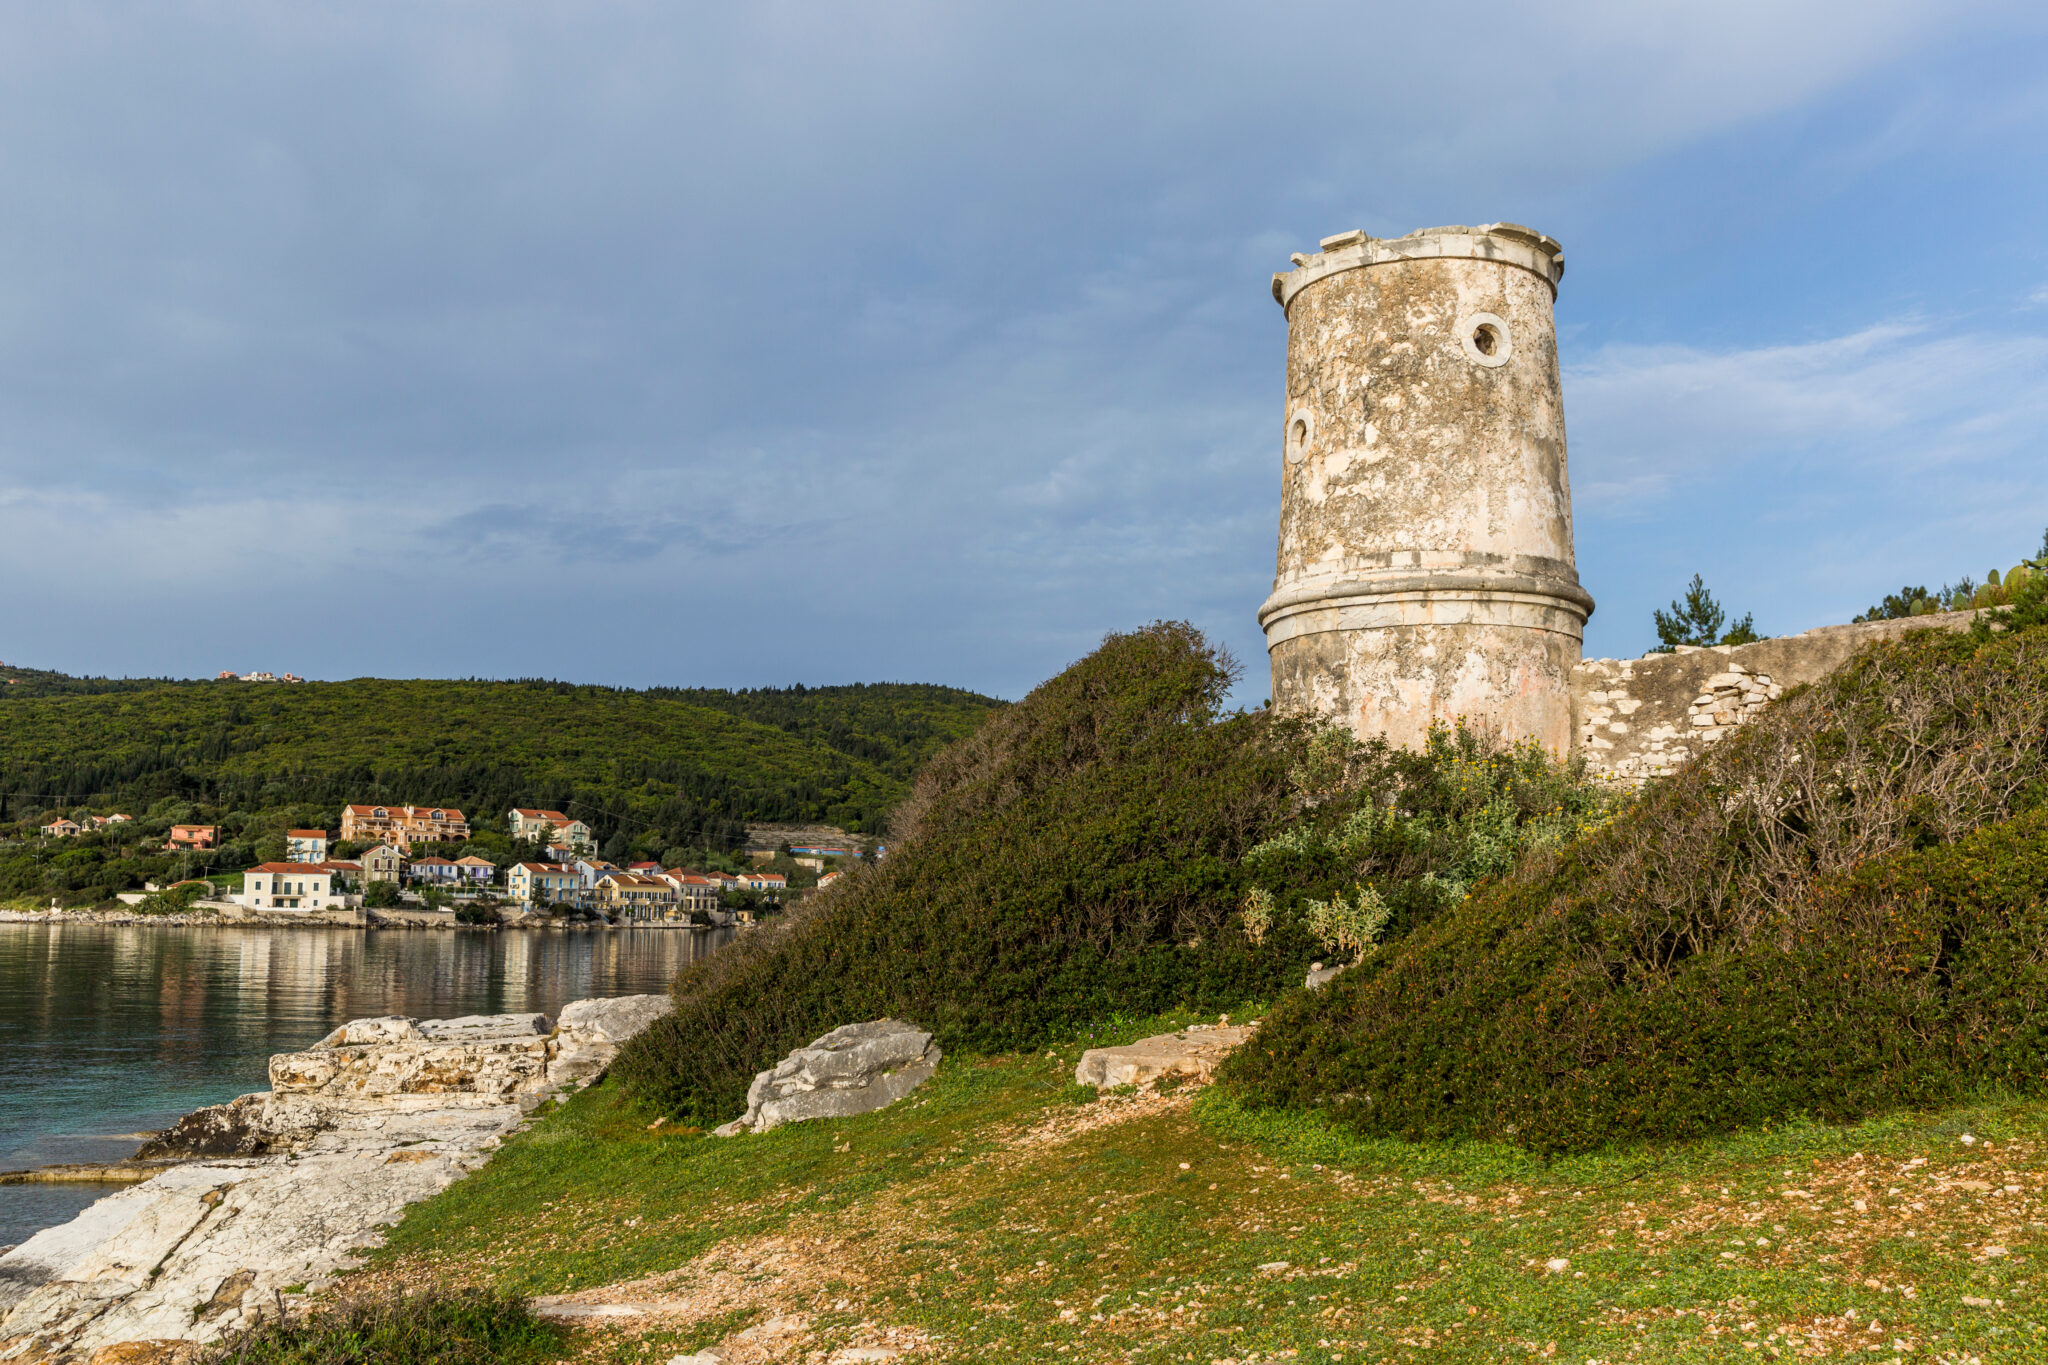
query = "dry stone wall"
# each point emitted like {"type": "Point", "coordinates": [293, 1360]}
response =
{"type": "Point", "coordinates": [1643, 718]}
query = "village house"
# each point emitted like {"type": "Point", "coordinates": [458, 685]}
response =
{"type": "Point", "coordinates": [103, 821]}
{"type": "Point", "coordinates": [403, 825]}
{"type": "Point", "coordinates": [192, 836]}
{"type": "Point", "coordinates": [384, 863]}
{"type": "Point", "coordinates": [289, 886]}
{"type": "Point", "coordinates": [543, 883]}
{"type": "Point", "coordinates": [694, 890]}
{"type": "Point", "coordinates": [645, 869]}
{"type": "Point", "coordinates": [551, 825]}
{"type": "Point", "coordinates": [475, 870]}
{"type": "Point", "coordinates": [632, 896]}
{"type": "Point", "coordinates": [432, 871]}
{"type": "Point", "coordinates": [61, 828]}
{"type": "Point", "coordinates": [768, 883]}
{"type": "Point", "coordinates": [346, 873]}
{"type": "Point", "coordinates": [590, 869]}
{"type": "Point", "coordinates": [828, 879]}
{"type": "Point", "coordinates": [305, 846]}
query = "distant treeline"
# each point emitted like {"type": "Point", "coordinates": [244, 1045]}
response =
{"type": "Point", "coordinates": [694, 765]}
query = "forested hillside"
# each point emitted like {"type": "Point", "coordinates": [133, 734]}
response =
{"type": "Point", "coordinates": [661, 768]}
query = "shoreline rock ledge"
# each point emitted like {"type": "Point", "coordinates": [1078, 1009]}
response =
{"type": "Point", "coordinates": [281, 1187]}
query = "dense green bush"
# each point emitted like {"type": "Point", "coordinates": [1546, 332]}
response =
{"type": "Point", "coordinates": [431, 1327]}
{"type": "Point", "coordinates": [1384, 838]}
{"type": "Point", "coordinates": [1841, 907]}
{"type": "Point", "coordinates": [1080, 855]}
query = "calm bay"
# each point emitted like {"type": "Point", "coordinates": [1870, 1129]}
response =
{"type": "Point", "coordinates": [107, 1032]}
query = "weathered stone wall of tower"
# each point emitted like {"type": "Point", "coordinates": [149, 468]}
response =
{"type": "Point", "coordinates": [1644, 718]}
{"type": "Point", "coordinates": [1425, 565]}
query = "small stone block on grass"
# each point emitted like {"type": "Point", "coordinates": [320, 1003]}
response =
{"type": "Point", "coordinates": [1191, 1052]}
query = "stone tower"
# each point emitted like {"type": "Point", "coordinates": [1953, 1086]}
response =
{"type": "Point", "coordinates": [1426, 568]}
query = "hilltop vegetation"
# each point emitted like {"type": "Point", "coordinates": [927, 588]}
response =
{"type": "Point", "coordinates": [649, 771]}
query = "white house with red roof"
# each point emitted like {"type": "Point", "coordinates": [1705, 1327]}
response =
{"type": "Point", "coordinates": [694, 890]}
{"type": "Point", "coordinates": [543, 883]}
{"type": "Point", "coordinates": [479, 871]}
{"type": "Point", "coordinates": [290, 886]}
{"type": "Point", "coordinates": [527, 822]}
{"type": "Point", "coordinates": [435, 871]}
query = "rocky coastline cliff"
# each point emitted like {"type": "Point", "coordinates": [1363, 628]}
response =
{"type": "Point", "coordinates": [278, 1191]}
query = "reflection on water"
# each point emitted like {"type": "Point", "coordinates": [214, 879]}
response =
{"type": "Point", "coordinates": [106, 1031]}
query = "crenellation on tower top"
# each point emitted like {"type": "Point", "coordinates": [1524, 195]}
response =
{"type": "Point", "coordinates": [1506, 243]}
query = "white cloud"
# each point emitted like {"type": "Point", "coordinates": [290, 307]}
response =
{"type": "Point", "coordinates": [1805, 480]}
{"type": "Point", "coordinates": [1893, 400]}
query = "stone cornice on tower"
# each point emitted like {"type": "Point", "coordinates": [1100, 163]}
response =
{"type": "Point", "coordinates": [1506, 243]}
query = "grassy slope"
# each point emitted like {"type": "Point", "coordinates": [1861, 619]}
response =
{"type": "Point", "coordinates": [933, 1219]}
{"type": "Point", "coordinates": [833, 751]}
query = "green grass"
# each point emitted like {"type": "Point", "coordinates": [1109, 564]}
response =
{"type": "Point", "coordinates": [931, 1217]}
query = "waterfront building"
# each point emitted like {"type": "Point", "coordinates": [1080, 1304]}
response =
{"type": "Point", "coordinates": [289, 886]}
{"type": "Point", "coordinates": [543, 883]}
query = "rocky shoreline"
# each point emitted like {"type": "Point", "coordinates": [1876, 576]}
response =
{"type": "Point", "coordinates": [278, 1191]}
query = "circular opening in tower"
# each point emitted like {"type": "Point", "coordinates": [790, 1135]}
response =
{"type": "Point", "coordinates": [1485, 339]}
{"type": "Point", "coordinates": [1299, 433]}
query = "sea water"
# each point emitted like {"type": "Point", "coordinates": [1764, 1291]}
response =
{"type": "Point", "coordinates": [108, 1032]}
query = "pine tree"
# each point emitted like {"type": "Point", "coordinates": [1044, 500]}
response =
{"type": "Point", "coordinates": [1696, 619]}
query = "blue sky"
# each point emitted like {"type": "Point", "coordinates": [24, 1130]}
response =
{"type": "Point", "coordinates": [740, 345]}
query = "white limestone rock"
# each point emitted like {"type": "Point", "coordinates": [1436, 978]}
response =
{"type": "Point", "coordinates": [854, 1069]}
{"type": "Point", "coordinates": [590, 1033]}
{"type": "Point", "coordinates": [377, 1115]}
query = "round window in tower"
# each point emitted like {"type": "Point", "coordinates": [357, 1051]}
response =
{"type": "Point", "coordinates": [1301, 434]}
{"type": "Point", "coordinates": [1485, 340]}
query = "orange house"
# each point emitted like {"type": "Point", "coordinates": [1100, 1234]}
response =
{"type": "Point", "coordinates": [192, 836]}
{"type": "Point", "coordinates": [403, 825]}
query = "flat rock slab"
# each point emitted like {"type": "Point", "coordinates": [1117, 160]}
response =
{"type": "Point", "coordinates": [202, 1248]}
{"type": "Point", "coordinates": [1193, 1052]}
